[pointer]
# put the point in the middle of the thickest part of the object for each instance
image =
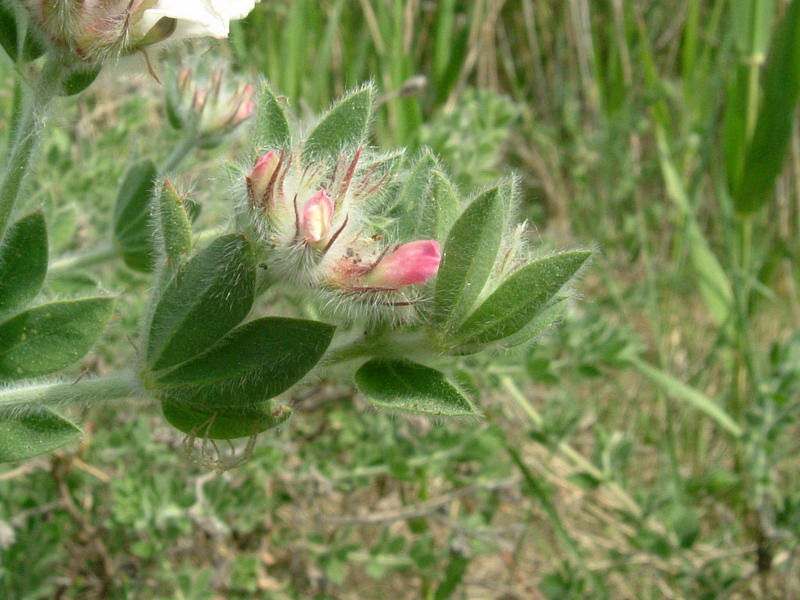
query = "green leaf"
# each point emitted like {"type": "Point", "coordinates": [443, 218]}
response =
{"type": "Point", "coordinates": [174, 229]}
{"type": "Point", "coordinates": [202, 302]}
{"type": "Point", "coordinates": [520, 297]}
{"type": "Point", "coordinates": [8, 32]}
{"type": "Point", "coordinates": [412, 196]}
{"type": "Point", "coordinates": [545, 319]}
{"type": "Point", "coordinates": [255, 362]}
{"type": "Point", "coordinates": [411, 387]}
{"type": "Point", "coordinates": [131, 229]}
{"type": "Point", "coordinates": [47, 338]}
{"type": "Point", "coordinates": [78, 80]}
{"type": "Point", "coordinates": [9, 37]}
{"type": "Point", "coordinates": [469, 255]}
{"type": "Point", "coordinates": [689, 394]}
{"type": "Point", "coordinates": [34, 433]}
{"type": "Point", "coordinates": [225, 424]}
{"type": "Point", "coordinates": [272, 127]}
{"type": "Point", "coordinates": [343, 127]}
{"type": "Point", "coordinates": [770, 142]}
{"type": "Point", "coordinates": [23, 263]}
{"type": "Point", "coordinates": [440, 209]}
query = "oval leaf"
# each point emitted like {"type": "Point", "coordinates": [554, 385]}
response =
{"type": "Point", "coordinates": [174, 228]}
{"type": "Point", "coordinates": [255, 362]}
{"type": "Point", "coordinates": [469, 255]}
{"type": "Point", "coordinates": [440, 209]}
{"type": "Point", "coordinates": [224, 424]}
{"type": "Point", "coordinates": [79, 80]}
{"type": "Point", "coordinates": [131, 229]}
{"type": "Point", "coordinates": [202, 302]}
{"type": "Point", "coordinates": [272, 127]}
{"type": "Point", "coordinates": [8, 32]}
{"type": "Point", "coordinates": [343, 126]}
{"type": "Point", "coordinates": [411, 387]}
{"type": "Point", "coordinates": [412, 197]}
{"type": "Point", "coordinates": [520, 297]}
{"type": "Point", "coordinates": [47, 338]}
{"type": "Point", "coordinates": [35, 433]}
{"type": "Point", "coordinates": [23, 263]}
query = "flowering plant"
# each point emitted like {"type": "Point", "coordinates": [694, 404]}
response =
{"type": "Point", "coordinates": [381, 272]}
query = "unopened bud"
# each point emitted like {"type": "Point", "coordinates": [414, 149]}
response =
{"type": "Point", "coordinates": [316, 217]}
{"type": "Point", "coordinates": [411, 264]}
{"type": "Point", "coordinates": [261, 175]}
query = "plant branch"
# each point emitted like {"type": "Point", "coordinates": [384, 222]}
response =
{"type": "Point", "coordinates": [108, 388]}
{"type": "Point", "coordinates": [66, 264]}
{"type": "Point", "coordinates": [28, 133]}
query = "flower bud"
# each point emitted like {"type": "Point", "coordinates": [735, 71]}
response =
{"type": "Point", "coordinates": [209, 103]}
{"type": "Point", "coordinates": [413, 263]}
{"type": "Point", "coordinates": [316, 217]}
{"type": "Point", "coordinates": [259, 179]}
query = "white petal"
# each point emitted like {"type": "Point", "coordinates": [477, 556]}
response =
{"type": "Point", "coordinates": [196, 18]}
{"type": "Point", "coordinates": [234, 9]}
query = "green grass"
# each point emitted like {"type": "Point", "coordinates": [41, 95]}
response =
{"type": "Point", "coordinates": [647, 449]}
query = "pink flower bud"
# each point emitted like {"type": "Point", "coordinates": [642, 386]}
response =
{"type": "Point", "coordinates": [316, 217]}
{"type": "Point", "coordinates": [261, 175]}
{"type": "Point", "coordinates": [411, 264]}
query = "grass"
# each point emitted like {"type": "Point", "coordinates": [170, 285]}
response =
{"type": "Point", "coordinates": [647, 449]}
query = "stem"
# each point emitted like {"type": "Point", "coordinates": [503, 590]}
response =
{"type": "Point", "coordinates": [26, 138]}
{"type": "Point", "coordinates": [117, 386]}
{"type": "Point", "coordinates": [178, 154]}
{"type": "Point", "coordinates": [79, 261]}
{"type": "Point", "coordinates": [62, 266]}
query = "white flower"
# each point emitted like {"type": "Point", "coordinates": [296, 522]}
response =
{"type": "Point", "coordinates": [97, 30]}
{"type": "Point", "coordinates": [195, 18]}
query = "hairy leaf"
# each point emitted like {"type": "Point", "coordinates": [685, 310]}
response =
{"type": "Point", "coordinates": [255, 362]}
{"type": "Point", "coordinates": [520, 297]}
{"type": "Point", "coordinates": [343, 126]}
{"type": "Point", "coordinates": [225, 424]}
{"type": "Point", "coordinates": [36, 432]}
{"type": "Point", "coordinates": [272, 127]}
{"type": "Point", "coordinates": [202, 302]}
{"type": "Point", "coordinates": [131, 229]}
{"type": "Point", "coordinates": [47, 338]}
{"type": "Point", "coordinates": [411, 387]}
{"type": "Point", "coordinates": [23, 263]}
{"type": "Point", "coordinates": [469, 256]}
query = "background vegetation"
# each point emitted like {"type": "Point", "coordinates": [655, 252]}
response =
{"type": "Point", "coordinates": [647, 449]}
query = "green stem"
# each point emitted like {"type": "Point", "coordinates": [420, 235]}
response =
{"type": "Point", "coordinates": [66, 264]}
{"type": "Point", "coordinates": [117, 386]}
{"type": "Point", "coordinates": [178, 154]}
{"type": "Point", "coordinates": [62, 266]}
{"type": "Point", "coordinates": [28, 133]}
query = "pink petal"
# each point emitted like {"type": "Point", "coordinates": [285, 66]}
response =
{"type": "Point", "coordinates": [316, 217]}
{"type": "Point", "coordinates": [411, 264]}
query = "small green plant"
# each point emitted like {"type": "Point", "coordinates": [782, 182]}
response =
{"type": "Point", "coordinates": [334, 259]}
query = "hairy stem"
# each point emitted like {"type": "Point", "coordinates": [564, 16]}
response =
{"type": "Point", "coordinates": [107, 388]}
{"type": "Point", "coordinates": [178, 154]}
{"type": "Point", "coordinates": [28, 133]}
{"type": "Point", "coordinates": [67, 264]}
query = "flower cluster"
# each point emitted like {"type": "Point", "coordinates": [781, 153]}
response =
{"type": "Point", "coordinates": [208, 104]}
{"type": "Point", "coordinates": [315, 218]}
{"type": "Point", "coordinates": [96, 30]}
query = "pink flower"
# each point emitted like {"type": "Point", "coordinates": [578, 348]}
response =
{"type": "Point", "coordinates": [411, 264]}
{"type": "Point", "coordinates": [316, 217]}
{"type": "Point", "coordinates": [261, 175]}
